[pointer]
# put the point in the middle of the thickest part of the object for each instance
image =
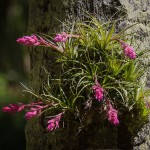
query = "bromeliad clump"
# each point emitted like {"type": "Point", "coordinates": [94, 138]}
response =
{"type": "Point", "coordinates": [93, 68]}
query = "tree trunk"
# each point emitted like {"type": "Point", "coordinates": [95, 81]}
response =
{"type": "Point", "coordinates": [43, 17]}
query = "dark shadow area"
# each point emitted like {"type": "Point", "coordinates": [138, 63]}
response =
{"type": "Point", "coordinates": [14, 67]}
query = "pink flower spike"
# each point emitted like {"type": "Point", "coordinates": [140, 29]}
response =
{"type": "Point", "coordinates": [128, 50]}
{"type": "Point", "coordinates": [112, 115]}
{"type": "Point", "coordinates": [54, 123]}
{"type": "Point", "coordinates": [13, 108]}
{"type": "Point", "coordinates": [98, 90]}
{"type": "Point", "coordinates": [29, 40]}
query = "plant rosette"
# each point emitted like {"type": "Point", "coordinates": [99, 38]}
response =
{"type": "Point", "coordinates": [99, 70]}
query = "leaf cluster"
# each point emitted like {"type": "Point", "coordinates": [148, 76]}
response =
{"type": "Point", "coordinates": [96, 53]}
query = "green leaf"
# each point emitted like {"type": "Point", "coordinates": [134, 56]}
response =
{"type": "Point", "coordinates": [110, 33]}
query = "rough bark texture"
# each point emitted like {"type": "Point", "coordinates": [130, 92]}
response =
{"type": "Point", "coordinates": [42, 18]}
{"type": "Point", "coordinates": [142, 140]}
{"type": "Point", "coordinates": [138, 11]}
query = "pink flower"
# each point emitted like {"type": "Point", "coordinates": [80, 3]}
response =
{"type": "Point", "coordinates": [29, 40]}
{"type": "Point", "coordinates": [12, 108]}
{"type": "Point", "coordinates": [34, 41]}
{"type": "Point", "coordinates": [112, 115]}
{"type": "Point", "coordinates": [61, 37]}
{"type": "Point", "coordinates": [98, 90]}
{"type": "Point", "coordinates": [54, 123]}
{"type": "Point", "coordinates": [128, 50]}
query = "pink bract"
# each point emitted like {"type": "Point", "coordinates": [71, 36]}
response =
{"type": "Point", "coordinates": [98, 90]}
{"type": "Point", "coordinates": [35, 110]}
{"type": "Point", "coordinates": [32, 41]}
{"type": "Point", "coordinates": [31, 114]}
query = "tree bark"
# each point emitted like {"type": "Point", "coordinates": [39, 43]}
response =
{"type": "Point", "coordinates": [43, 17]}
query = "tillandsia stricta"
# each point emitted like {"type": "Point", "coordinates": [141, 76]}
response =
{"type": "Point", "coordinates": [97, 65]}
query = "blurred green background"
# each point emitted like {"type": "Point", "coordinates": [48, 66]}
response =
{"type": "Point", "coordinates": [14, 68]}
